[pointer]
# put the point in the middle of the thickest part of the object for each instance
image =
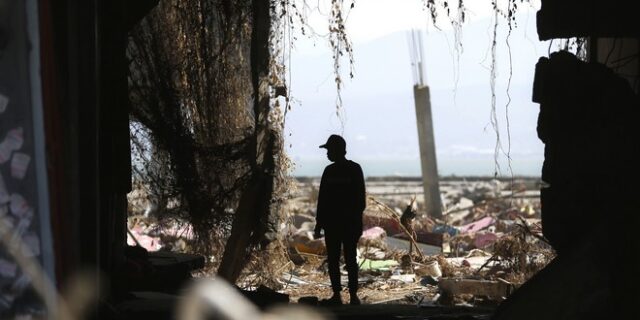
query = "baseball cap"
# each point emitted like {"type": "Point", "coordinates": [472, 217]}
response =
{"type": "Point", "coordinates": [335, 142]}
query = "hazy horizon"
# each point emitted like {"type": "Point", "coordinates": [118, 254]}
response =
{"type": "Point", "coordinates": [378, 116]}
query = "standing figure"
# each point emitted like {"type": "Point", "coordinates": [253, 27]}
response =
{"type": "Point", "coordinates": [341, 202]}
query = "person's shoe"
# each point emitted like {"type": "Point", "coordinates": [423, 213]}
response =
{"type": "Point", "coordinates": [355, 301]}
{"type": "Point", "coordinates": [335, 300]}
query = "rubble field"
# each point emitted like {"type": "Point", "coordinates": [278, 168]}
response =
{"type": "Point", "coordinates": [488, 242]}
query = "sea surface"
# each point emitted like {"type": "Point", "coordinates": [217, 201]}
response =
{"type": "Point", "coordinates": [530, 167]}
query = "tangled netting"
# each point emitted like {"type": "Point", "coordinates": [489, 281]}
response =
{"type": "Point", "coordinates": [192, 118]}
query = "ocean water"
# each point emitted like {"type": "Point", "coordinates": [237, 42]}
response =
{"type": "Point", "coordinates": [529, 166]}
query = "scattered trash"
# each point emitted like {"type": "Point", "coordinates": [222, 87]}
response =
{"type": "Point", "coordinates": [477, 225]}
{"type": "Point", "coordinates": [431, 269]}
{"type": "Point", "coordinates": [374, 253]}
{"type": "Point", "coordinates": [380, 265]}
{"type": "Point", "coordinates": [488, 243]}
{"type": "Point", "coordinates": [484, 239]}
{"type": "Point", "coordinates": [373, 237]}
{"type": "Point", "coordinates": [442, 228]}
{"type": "Point", "coordinates": [492, 289]}
{"type": "Point", "coordinates": [373, 234]}
{"type": "Point", "coordinates": [490, 231]}
{"type": "Point", "coordinates": [315, 246]}
{"type": "Point", "coordinates": [406, 278]}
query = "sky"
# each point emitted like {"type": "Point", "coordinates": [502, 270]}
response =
{"type": "Point", "coordinates": [378, 116]}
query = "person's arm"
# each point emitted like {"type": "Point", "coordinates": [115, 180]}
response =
{"type": "Point", "coordinates": [361, 196]}
{"type": "Point", "coordinates": [361, 192]}
{"type": "Point", "coordinates": [320, 207]}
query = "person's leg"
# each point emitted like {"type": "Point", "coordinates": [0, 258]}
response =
{"type": "Point", "coordinates": [333, 244]}
{"type": "Point", "coordinates": [350, 259]}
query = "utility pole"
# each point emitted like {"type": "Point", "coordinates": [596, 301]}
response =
{"type": "Point", "coordinates": [426, 139]}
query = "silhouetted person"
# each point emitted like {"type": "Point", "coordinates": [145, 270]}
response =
{"type": "Point", "coordinates": [341, 201]}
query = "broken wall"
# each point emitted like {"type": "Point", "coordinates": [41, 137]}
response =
{"type": "Point", "coordinates": [587, 121]}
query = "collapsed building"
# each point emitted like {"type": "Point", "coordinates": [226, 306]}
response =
{"type": "Point", "coordinates": [68, 81]}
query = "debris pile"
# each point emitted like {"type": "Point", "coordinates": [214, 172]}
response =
{"type": "Point", "coordinates": [487, 244]}
{"type": "Point", "coordinates": [170, 235]}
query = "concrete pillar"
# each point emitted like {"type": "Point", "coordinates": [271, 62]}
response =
{"type": "Point", "coordinates": [427, 143]}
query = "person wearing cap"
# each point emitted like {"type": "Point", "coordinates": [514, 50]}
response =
{"type": "Point", "coordinates": [341, 201]}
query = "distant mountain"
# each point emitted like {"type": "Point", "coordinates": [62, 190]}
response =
{"type": "Point", "coordinates": [379, 117]}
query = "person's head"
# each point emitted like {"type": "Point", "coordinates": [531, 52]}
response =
{"type": "Point", "coordinates": [336, 147]}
